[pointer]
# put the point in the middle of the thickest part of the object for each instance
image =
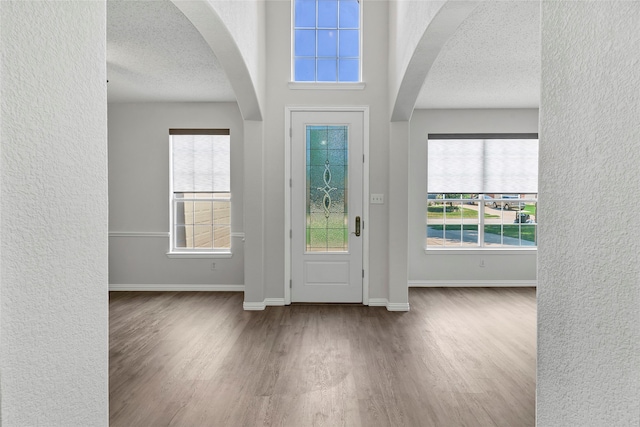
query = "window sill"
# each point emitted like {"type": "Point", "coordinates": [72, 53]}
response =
{"type": "Point", "coordinates": [195, 255]}
{"type": "Point", "coordinates": [481, 251]}
{"type": "Point", "coordinates": [327, 85]}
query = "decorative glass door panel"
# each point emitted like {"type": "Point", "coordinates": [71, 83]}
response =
{"type": "Point", "coordinates": [327, 159]}
{"type": "Point", "coordinates": [326, 193]}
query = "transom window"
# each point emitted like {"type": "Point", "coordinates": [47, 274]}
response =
{"type": "Point", "coordinates": [326, 41]}
{"type": "Point", "coordinates": [200, 190]}
{"type": "Point", "coordinates": [482, 191]}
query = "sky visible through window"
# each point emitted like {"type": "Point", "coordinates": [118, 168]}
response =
{"type": "Point", "coordinates": [327, 41]}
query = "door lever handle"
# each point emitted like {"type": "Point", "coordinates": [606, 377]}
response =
{"type": "Point", "coordinates": [357, 226]}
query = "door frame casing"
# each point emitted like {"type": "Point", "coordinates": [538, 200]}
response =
{"type": "Point", "coordinates": [289, 110]}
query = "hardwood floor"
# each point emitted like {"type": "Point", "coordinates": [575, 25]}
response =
{"type": "Point", "coordinates": [460, 357]}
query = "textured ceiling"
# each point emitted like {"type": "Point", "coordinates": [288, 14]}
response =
{"type": "Point", "coordinates": [154, 54]}
{"type": "Point", "coordinates": [492, 61]}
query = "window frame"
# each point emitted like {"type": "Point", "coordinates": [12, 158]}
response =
{"type": "Point", "coordinates": [174, 251]}
{"type": "Point", "coordinates": [481, 244]}
{"type": "Point", "coordinates": [481, 224]}
{"type": "Point", "coordinates": [330, 85]}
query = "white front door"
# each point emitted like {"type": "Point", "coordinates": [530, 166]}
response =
{"type": "Point", "coordinates": [327, 206]}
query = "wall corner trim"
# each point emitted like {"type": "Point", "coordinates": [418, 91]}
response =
{"type": "Point", "coordinates": [398, 306]}
{"type": "Point", "coordinates": [391, 306]}
{"type": "Point", "coordinates": [254, 306]}
{"type": "Point", "coordinates": [268, 302]}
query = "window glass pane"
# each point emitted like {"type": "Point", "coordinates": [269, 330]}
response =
{"type": "Point", "coordinates": [222, 213]}
{"type": "Point", "coordinates": [318, 40]}
{"type": "Point", "coordinates": [221, 236]}
{"type": "Point", "coordinates": [349, 14]}
{"type": "Point", "coordinates": [180, 236]}
{"type": "Point", "coordinates": [201, 173]}
{"type": "Point", "coordinates": [179, 214]}
{"type": "Point", "coordinates": [327, 70]}
{"type": "Point", "coordinates": [202, 237]}
{"type": "Point", "coordinates": [327, 213]}
{"type": "Point", "coordinates": [349, 43]}
{"type": "Point", "coordinates": [203, 213]}
{"type": "Point", "coordinates": [349, 71]}
{"type": "Point", "coordinates": [305, 43]}
{"type": "Point", "coordinates": [327, 43]}
{"type": "Point", "coordinates": [305, 11]}
{"type": "Point", "coordinates": [305, 70]}
{"type": "Point", "coordinates": [327, 14]}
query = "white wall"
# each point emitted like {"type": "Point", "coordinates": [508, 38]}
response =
{"type": "Point", "coordinates": [53, 204]}
{"type": "Point", "coordinates": [245, 21]}
{"type": "Point", "coordinates": [510, 268]}
{"type": "Point", "coordinates": [589, 276]}
{"type": "Point", "coordinates": [408, 20]}
{"type": "Point", "coordinates": [279, 95]}
{"type": "Point", "coordinates": [139, 193]}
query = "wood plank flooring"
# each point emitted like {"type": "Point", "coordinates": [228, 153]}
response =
{"type": "Point", "coordinates": [460, 357]}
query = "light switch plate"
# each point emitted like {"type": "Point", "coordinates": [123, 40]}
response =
{"type": "Point", "coordinates": [377, 199]}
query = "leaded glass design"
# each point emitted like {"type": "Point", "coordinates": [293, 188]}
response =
{"type": "Point", "coordinates": [327, 201]}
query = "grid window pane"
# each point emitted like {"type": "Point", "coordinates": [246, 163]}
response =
{"type": "Point", "coordinates": [327, 43]}
{"type": "Point", "coordinates": [327, 70]}
{"type": "Point", "coordinates": [349, 14]}
{"type": "Point", "coordinates": [349, 70]}
{"type": "Point", "coordinates": [305, 70]}
{"type": "Point", "coordinates": [305, 42]}
{"type": "Point", "coordinates": [349, 43]}
{"type": "Point", "coordinates": [327, 14]}
{"type": "Point", "coordinates": [305, 13]}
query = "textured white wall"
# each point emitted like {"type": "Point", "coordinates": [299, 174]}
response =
{"type": "Point", "coordinates": [408, 20]}
{"type": "Point", "coordinates": [53, 336]}
{"type": "Point", "coordinates": [246, 23]}
{"type": "Point", "coordinates": [513, 266]}
{"type": "Point", "coordinates": [589, 272]}
{"type": "Point", "coordinates": [139, 192]}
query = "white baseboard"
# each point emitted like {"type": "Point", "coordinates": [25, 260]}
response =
{"type": "Point", "coordinates": [471, 283]}
{"type": "Point", "coordinates": [174, 287]}
{"type": "Point", "coordinates": [391, 306]}
{"type": "Point", "coordinates": [378, 302]}
{"type": "Point", "coordinates": [268, 302]}
{"type": "Point", "coordinates": [398, 306]}
{"type": "Point", "coordinates": [254, 306]}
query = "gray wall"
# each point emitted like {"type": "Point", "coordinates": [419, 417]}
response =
{"type": "Point", "coordinates": [139, 194]}
{"type": "Point", "coordinates": [589, 276]}
{"type": "Point", "coordinates": [279, 95]}
{"type": "Point", "coordinates": [503, 267]}
{"type": "Point", "coordinates": [53, 206]}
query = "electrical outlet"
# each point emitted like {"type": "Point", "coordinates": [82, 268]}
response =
{"type": "Point", "coordinates": [213, 266]}
{"type": "Point", "coordinates": [377, 199]}
{"type": "Point", "coordinates": [481, 263]}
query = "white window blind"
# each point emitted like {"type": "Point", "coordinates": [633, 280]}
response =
{"type": "Point", "coordinates": [482, 165]}
{"type": "Point", "coordinates": [201, 163]}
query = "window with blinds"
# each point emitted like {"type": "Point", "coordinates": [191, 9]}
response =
{"type": "Point", "coordinates": [482, 190]}
{"type": "Point", "coordinates": [200, 190]}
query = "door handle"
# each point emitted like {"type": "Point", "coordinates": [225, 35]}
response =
{"type": "Point", "coordinates": [357, 226]}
